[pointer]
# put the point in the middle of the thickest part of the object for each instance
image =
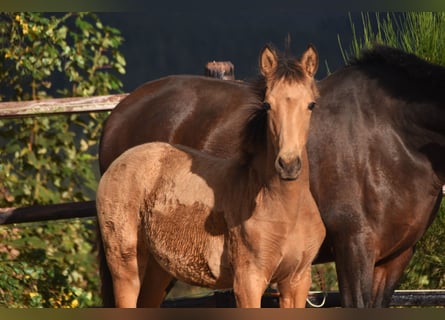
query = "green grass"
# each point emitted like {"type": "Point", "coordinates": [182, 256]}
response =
{"type": "Point", "coordinates": [421, 33]}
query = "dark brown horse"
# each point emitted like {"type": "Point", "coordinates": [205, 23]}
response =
{"type": "Point", "coordinates": [166, 210]}
{"type": "Point", "coordinates": [376, 150]}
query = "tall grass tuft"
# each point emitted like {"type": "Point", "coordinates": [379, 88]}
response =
{"type": "Point", "coordinates": [421, 33]}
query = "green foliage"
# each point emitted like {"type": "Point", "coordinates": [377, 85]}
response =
{"type": "Point", "coordinates": [52, 159]}
{"type": "Point", "coordinates": [48, 265]}
{"type": "Point", "coordinates": [420, 33]}
{"type": "Point", "coordinates": [36, 51]}
{"type": "Point", "coordinates": [48, 159]}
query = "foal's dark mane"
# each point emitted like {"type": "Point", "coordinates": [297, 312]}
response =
{"type": "Point", "coordinates": [254, 134]}
{"type": "Point", "coordinates": [418, 78]}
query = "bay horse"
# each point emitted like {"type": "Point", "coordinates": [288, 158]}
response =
{"type": "Point", "coordinates": [169, 211]}
{"type": "Point", "coordinates": [376, 150]}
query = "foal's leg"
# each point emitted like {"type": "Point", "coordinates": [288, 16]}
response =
{"type": "Point", "coordinates": [122, 258]}
{"type": "Point", "coordinates": [248, 287]}
{"type": "Point", "coordinates": [155, 282]}
{"type": "Point", "coordinates": [294, 292]}
{"type": "Point", "coordinates": [126, 283]}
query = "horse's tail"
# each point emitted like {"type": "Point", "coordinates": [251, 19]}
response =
{"type": "Point", "coordinates": [106, 286]}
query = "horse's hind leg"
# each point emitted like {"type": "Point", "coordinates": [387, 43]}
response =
{"type": "Point", "coordinates": [156, 280]}
{"type": "Point", "coordinates": [122, 259]}
{"type": "Point", "coordinates": [126, 283]}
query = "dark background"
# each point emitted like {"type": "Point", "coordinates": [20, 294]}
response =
{"type": "Point", "coordinates": [182, 40]}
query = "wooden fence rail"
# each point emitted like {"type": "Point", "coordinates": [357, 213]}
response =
{"type": "Point", "coordinates": [61, 105]}
{"type": "Point", "coordinates": [48, 212]}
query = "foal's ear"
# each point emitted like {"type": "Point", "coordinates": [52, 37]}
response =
{"type": "Point", "coordinates": [309, 60]}
{"type": "Point", "coordinates": [268, 61]}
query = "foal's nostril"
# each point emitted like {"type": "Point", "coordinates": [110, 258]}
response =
{"type": "Point", "coordinates": [281, 163]}
{"type": "Point", "coordinates": [288, 169]}
{"type": "Point", "coordinates": [294, 163]}
{"type": "Point", "coordinates": [298, 164]}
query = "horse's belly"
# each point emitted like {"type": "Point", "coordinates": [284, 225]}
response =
{"type": "Point", "coordinates": [180, 240]}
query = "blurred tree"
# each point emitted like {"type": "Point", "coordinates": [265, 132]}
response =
{"type": "Point", "coordinates": [420, 33]}
{"type": "Point", "coordinates": [52, 159]}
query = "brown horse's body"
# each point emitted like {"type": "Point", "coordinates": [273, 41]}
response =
{"type": "Point", "coordinates": [170, 211]}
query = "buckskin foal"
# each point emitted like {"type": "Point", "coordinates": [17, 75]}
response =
{"type": "Point", "coordinates": [169, 211]}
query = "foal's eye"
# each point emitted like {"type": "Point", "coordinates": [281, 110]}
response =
{"type": "Point", "coordinates": [266, 105]}
{"type": "Point", "coordinates": [311, 105]}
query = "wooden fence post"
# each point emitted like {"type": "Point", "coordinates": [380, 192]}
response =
{"type": "Point", "coordinates": [220, 69]}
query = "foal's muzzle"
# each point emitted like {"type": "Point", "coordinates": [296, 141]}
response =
{"type": "Point", "coordinates": [288, 168]}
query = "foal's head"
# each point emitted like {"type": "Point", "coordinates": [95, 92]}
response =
{"type": "Point", "coordinates": [290, 97]}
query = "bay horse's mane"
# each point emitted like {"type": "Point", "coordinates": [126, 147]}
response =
{"type": "Point", "coordinates": [418, 77]}
{"type": "Point", "coordinates": [254, 127]}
